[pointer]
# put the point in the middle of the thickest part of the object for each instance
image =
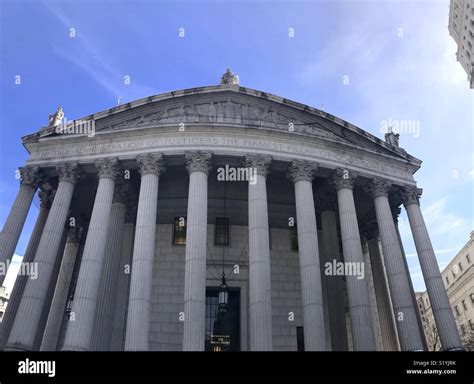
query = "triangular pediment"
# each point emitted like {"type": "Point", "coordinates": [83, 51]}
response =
{"type": "Point", "coordinates": [235, 106]}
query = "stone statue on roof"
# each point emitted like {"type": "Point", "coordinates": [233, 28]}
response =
{"type": "Point", "coordinates": [392, 138]}
{"type": "Point", "coordinates": [229, 78]}
{"type": "Point", "coordinates": [56, 118]}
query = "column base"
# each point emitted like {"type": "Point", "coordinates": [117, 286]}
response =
{"type": "Point", "coordinates": [17, 348]}
{"type": "Point", "coordinates": [455, 349]}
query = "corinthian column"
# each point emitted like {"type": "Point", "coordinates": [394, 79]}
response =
{"type": "Point", "coordinates": [260, 293]}
{"type": "Point", "coordinates": [46, 198]}
{"type": "Point", "coordinates": [110, 271]}
{"type": "Point", "coordinates": [358, 295]}
{"type": "Point", "coordinates": [136, 338]}
{"type": "Point", "coordinates": [335, 284]}
{"type": "Point", "coordinates": [59, 301]}
{"type": "Point", "coordinates": [79, 332]}
{"type": "Point", "coordinates": [198, 165]}
{"type": "Point", "coordinates": [302, 174]}
{"type": "Point", "coordinates": [22, 335]}
{"type": "Point", "coordinates": [29, 179]}
{"type": "Point", "coordinates": [405, 315]}
{"type": "Point", "coordinates": [442, 312]}
{"type": "Point", "coordinates": [384, 304]}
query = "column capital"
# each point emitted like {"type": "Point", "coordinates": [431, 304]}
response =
{"type": "Point", "coordinates": [70, 172]}
{"type": "Point", "coordinates": [370, 230]}
{"type": "Point", "coordinates": [46, 198]}
{"type": "Point", "coordinates": [151, 163]}
{"type": "Point", "coordinates": [198, 161]}
{"type": "Point", "coordinates": [108, 168]}
{"type": "Point", "coordinates": [74, 234]}
{"type": "Point", "coordinates": [378, 186]}
{"type": "Point", "coordinates": [260, 162]}
{"type": "Point", "coordinates": [411, 195]}
{"type": "Point", "coordinates": [30, 176]}
{"type": "Point", "coordinates": [343, 178]}
{"type": "Point", "coordinates": [301, 170]}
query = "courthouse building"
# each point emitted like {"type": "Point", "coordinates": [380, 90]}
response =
{"type": "Point", "coordinates": [218, 218]}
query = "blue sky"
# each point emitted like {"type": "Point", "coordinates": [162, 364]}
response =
{"type": "Point", "coordinates": [396, 57]}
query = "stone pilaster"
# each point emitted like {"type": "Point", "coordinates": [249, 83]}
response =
{"type": "Point", "coordinates": [405, 313]}
{"type": "Point", "coordinates": [302, 174]}
{"type": "Point", "coordinates": [151, 166]}
{"type": "Point", "coordinates": [442, 311]}
{"type": "Point", "coordinates": [103, 323]}
{"type": "Point", "coordinates": [79, 332]}
{"type": "Point", "coordinates": [22, 335]}
{"type": "Point", "coordinates": [260, 306]}
{"type": "Point", "coordinates": [198, 165]}
{"type": "Point", "coordinates": [29, 181]}
{"type": "Point", "coordinates": [358, 296]}
{"type": "Point", "coordinates": [59, 301]}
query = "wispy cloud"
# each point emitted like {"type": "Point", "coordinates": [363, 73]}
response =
{"type": "Point", "coordinates": [87, 55]}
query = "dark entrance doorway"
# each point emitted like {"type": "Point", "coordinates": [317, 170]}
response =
{"type": "Point", "coordinates": [230, 322]}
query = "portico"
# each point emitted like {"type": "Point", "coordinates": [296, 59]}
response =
{"type": "Point", "coordinates": [160, 225]}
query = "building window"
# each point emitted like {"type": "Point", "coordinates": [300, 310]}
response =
{"type": "Point", "coordinates": [221, 233]}
{"type": "Point", "coordinates": [471, 324]}
{"type": "Point", "coordinates": [294, 238]}
{"type": "Point", "coordinates": [300, 339]}
{"type": "Point", "coordinates": [427, 302]}
{"type": "Point", "coordinates": [472, 297]}
{"type": "Point", "coordinates": [454, 275]}
{"type": "Point", "coordinates": [464, 305]}
{"type": "Point", "coordinates": [460, 267]}
{"type": "Point", "coordinates": [468, 258]}
{"type": "Point", "coordinates": [457, 310]}
{"type": "Point", "coordinates": [179, 232]}
{"type": "Point", "coordinates": [447, 280]}
{"type": "Point", "coordinates": [463, 331]}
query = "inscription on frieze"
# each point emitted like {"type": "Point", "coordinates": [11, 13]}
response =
{"type": "Point", "coordinates": [236, 143]}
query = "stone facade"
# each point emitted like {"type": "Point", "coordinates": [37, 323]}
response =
{"type": "Point", "coordinates": [282, 255]}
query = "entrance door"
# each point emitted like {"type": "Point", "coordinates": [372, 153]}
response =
{"type": "Point", "coordinates": [231, 318]}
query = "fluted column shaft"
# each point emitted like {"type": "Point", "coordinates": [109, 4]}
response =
{"type": "Point", "coordinates": [442, 311]}
{"type": "Point", "coordinates": [301, 173]}
{"type": "Point", "coordinates": [60, 296]}
{"type": "Point", "coordinates": [384, 306]}
{"type": "Point", "coordinates": [136, 338]}
{"type": "Point", "coordinates": [79, 332]}
{"type": "Point", "coordinates": [335, 284]}
{"type": "Point", "coordinates": [121, 299]}
{"type": "Point", "coordinates": [16, 218]}
{"type": "Point", "coordinates": [46, 198]}
{"type": "Point", "coordinates": [198, 165]}
{"type": "Point", "coordinates": [22, 335]}
{"type": "Point", "coordinates": [405, 315]}
{"type": "Point", "coordinates": [260, 306]}
{"type": "Point", "coordinates": [110, 274]}
{"type": "Point", "coordinates": [357, 291]}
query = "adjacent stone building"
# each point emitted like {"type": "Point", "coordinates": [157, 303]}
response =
{"type": "Point", "coordinates": [218, 218]}
{"type": "Point", "coordinates": [458, 277]}
{"type": "Point", "coordinates": [461, 28]}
